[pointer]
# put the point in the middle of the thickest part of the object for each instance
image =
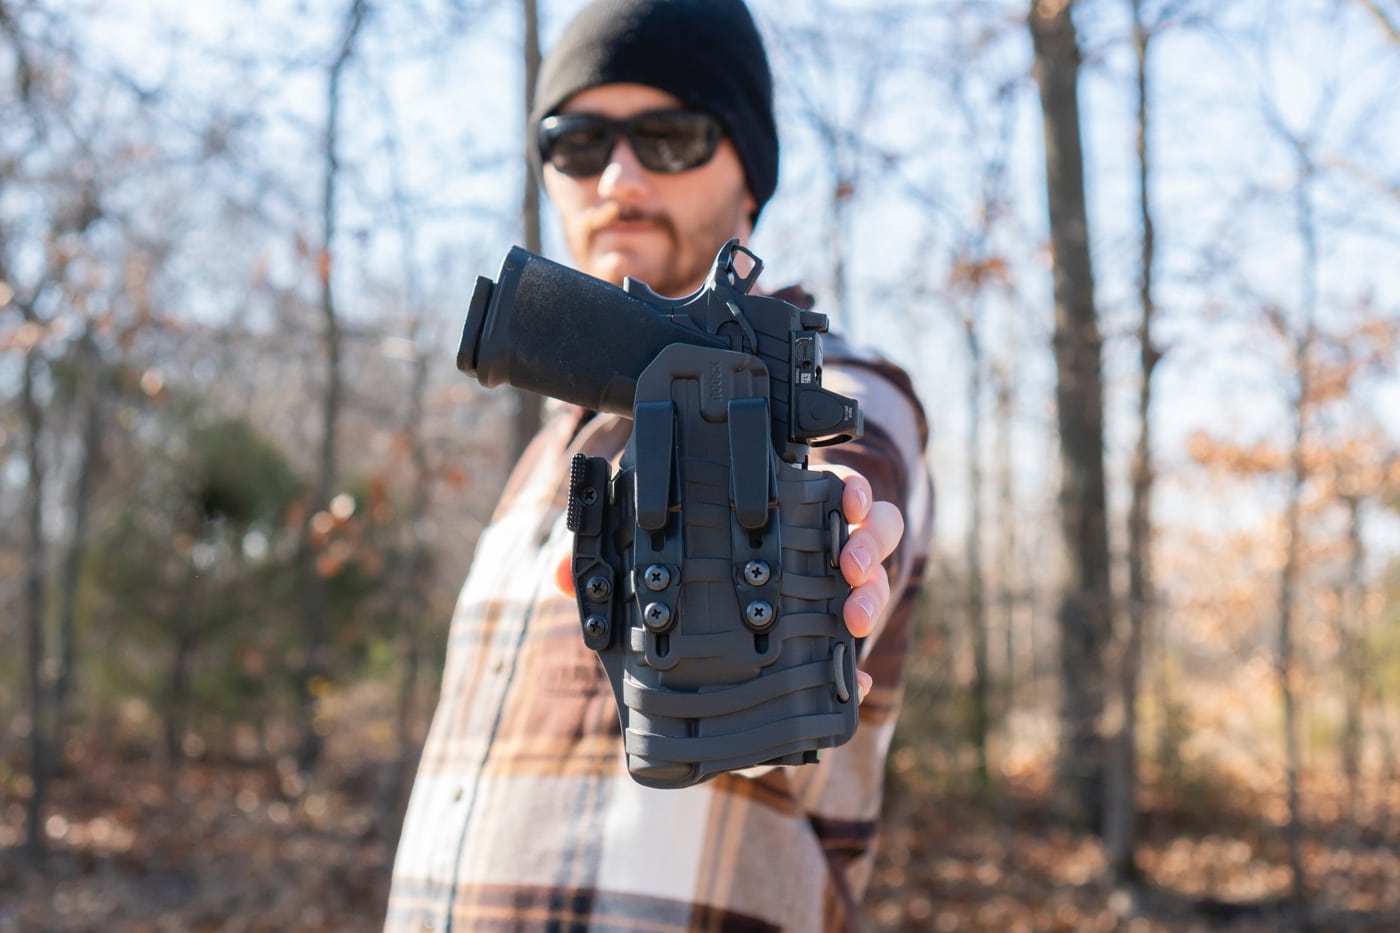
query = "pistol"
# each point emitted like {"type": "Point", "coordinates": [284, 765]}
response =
{"type": "Point", "coordinates": [707, 565]}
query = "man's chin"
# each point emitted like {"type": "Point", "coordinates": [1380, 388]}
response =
{"type": "Point", "coordinates": [614, 265]}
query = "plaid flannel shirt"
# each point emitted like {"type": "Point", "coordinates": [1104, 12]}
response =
{"type": "Point", "coordinates": [523, 815]}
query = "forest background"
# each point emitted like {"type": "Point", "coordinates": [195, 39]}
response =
{"type": "Point", "coordinates": [1140, 257]}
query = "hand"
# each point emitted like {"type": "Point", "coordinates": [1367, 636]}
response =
{"type": "Point", "coordinates": [876, 528]}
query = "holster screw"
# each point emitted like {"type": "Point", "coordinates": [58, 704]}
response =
{"type": "Point", "coordinates": [589, 495]}
{"type": "Point", "coordinates": [756, 572]}
{"type": "Point", "coordinates": [656, 615]}
{"type": "Point", "coordinates": [656, 578]}
{"type": "Point", "coordinates": [595, 626]}
{"type": "Point", "coordinates": [759, 614]}
{"type": "Point", "coordinates": [597, 589]}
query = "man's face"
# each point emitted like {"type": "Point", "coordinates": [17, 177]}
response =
{"type": "Point", "coordinates": [659, 228]}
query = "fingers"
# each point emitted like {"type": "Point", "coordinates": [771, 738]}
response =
{"type": "Point", "coordinates": [879, 526]}
{"type": "Point", "coordinates": [868, 545]}
{"type": "Point", "coordinates": [863, 684]}
{"type": "Point", "coordinates": [867, 603]}
{"type": "Point", "coordinates": [857, 497]}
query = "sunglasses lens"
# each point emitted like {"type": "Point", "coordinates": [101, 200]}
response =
{"type": "Point", "coordinates": [674, 142]}
{"type": "Point", "coordinates": [666, 142]}
{"type": "Point", "coordinates": [577, 145]}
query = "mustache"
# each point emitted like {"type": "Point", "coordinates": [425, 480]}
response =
{"type": "Point", "coordinates": [612, 213]}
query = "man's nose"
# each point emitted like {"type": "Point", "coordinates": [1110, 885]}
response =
{"type": "Point", "coordinates": [623, 177]}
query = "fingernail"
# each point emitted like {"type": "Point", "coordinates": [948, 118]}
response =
{"type": "Point", "coordinates": [863, 684]}
{"type": "Point", "coordinates": [866, 606]}
{"type": "Point", "coordinates": [862, 498]}
{"type": "Point", "coordinates": [862, 558]}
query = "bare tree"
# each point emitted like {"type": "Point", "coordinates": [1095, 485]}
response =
{"type": "Point", "coordinates": [1387, 20]}
{"type": "Point", "coordinates": [1287, 609]}
{"type": "Point", "coordinates": [1005, 390]}
{"type": "Point", "coordinates": [1086, 613]}
{"type": "Point", "coordinates": [67, 213]}
{"type": "Point", "coordinates": [846, 154]}
{"type": "Point", "coordinates": [529, 408]}
{"type": "Point", "coordinates": [332, 340]}
{"type": "Point", "coordinates": [978, 269]}
{"type": "Point", "coordinates": [34, 597]}
{"type": "Point", "coordinates": [1303, 338]}
{"type": "Point", "coordinates": [1351, 638]}
{"type": "Point", "coordinates": [33, 419]}
{"type": "Point", "coordinates": [408, 578]}
{"type": "Point", "coordinates": [1121, 811]}
{"type": "Point", "coordinates": [88, 399]}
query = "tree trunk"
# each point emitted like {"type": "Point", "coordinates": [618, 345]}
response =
{"type": "Point", "coordinates": [530, 406]}
{"type": "Point", "coordinates": [90, 398]}
{"type": "Point", "coordinates": [1288, 579]}
{"type": "Point", "coordinates": [314, 584]}
{"type": "Point", "coordinates": [976, 602]}
{"type": "Point", "coordinates": [1006, 508]}
{"type": "Point", "coordinates": [1293, 831]}
{"type": "Point", "coordinates": [1387, 21]}
{"type": "Point", "coordinates": [1390, 758]}
{"type": "Point", "coordinates": [839, 243]}
{"type": "Point", "coordinates": [34, 609]}
{"type": "Point", "coordinates": [407, 573]}
{"type": "Point", "coordinates": [1085, 613]}
{"type": "Point", "coordinates": [178, 687]}
{"type": "Point", "coordinates": [1121, 816]}
{"type": "Point", "coordinates": [410, 604]}
{"type": "Point", "coordinates": [34, 566]}
{"type": "Point", "coordinates": [1354, 668]}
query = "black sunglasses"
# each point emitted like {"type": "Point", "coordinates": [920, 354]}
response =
{"type": "Point", "coordinates": [665, 141]}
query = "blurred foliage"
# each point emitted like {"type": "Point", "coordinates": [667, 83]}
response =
{"type": "Point", "coordinates": [196, 570]}
{"type": "Point", "coordinates": [1382, 645]}
{"type": "Point", "coordinates": [237, 475]}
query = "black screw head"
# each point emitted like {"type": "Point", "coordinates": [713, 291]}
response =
{"type": "Point", "coordinates": [595, 626]}
{"type": "Point", "coordinates": [589, 495]}
{"type": "Point", "coordinates": [756, 572]}
{"type": "Point", "coordinates": [656, 578]}
{"type": "Point", "coordinates": [758, 614]}
{"type": "Point", "coordinates": [597, 588]}
{"type": "Point", "coordinates": [656, 616]}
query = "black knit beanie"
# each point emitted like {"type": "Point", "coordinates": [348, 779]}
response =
{"type": "Point", "coordinates": [707, 53]}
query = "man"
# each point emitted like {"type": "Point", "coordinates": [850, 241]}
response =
{"type": "Point", "coordinates": [654, 134]}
